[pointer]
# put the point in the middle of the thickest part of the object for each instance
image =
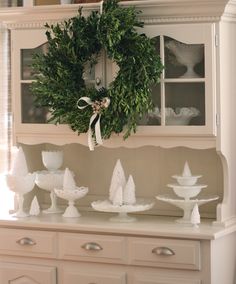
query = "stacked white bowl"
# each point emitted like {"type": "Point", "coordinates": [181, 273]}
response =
{"type": "Point", "coordinates": [186, 186]}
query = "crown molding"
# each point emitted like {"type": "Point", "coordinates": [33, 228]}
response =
{"type": "Point", "coordinates": [153, 12]}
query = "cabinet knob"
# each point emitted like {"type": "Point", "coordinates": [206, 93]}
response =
{"type": "Point", "coordinates": [98, 81]}
{"type": "Point", "coordinates": [26, 242]}
{"type": "Point", "coordinates": [163, 251]}
{"type": "Point", "coordinates": [91, 246]}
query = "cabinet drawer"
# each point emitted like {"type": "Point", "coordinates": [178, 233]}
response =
{"type": "Point", "coordinates": [181, 254]}
{"type": "Point", "coordinates": [27, 243]}
{"type": "Point", "coordinates": [92, 248]}
{"type": "Point", "coordinates": [90, 275]}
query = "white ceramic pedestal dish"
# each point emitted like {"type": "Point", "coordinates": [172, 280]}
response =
{"type": "Point", "coordinates": [21, 185]}
{"type": "Point", "coordinates": [187, 192]}
{"type": "Point", "coordinates": [188, 55]}
{"type": "Point", "coordinates": [107, 206]}
{"type": "Point", "coordinates": [186, 180]}
{"type": "Point", "coordinates": [186, 205]}
{"type": "Point", "coordinates": [48, 180]}
{"type": "Point", "coordinates": [71, 195]}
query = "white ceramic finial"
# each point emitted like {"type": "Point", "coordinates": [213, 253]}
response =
{"type": "Point", "coordinates": [34, 207]}
{"type": "Point", "coordinates": [186, 170]}
{"type": "Point", "coordinates": [68, 181]}
{"type": "Point", "coordinates": [118, 196]}
{"type": "Point", "coordinates": [195, 216]}
{"type": "Point", "coordinates": [129, 192]}
{"type": "Point", "coordinates": [19, 167]}
{"type": "Point", "coordinates": [118, 179]}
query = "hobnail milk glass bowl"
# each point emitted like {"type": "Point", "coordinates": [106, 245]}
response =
{"type": "Point", "coordinates": [48, 181]}
{"type": "Point", "coordinates": [187, 192]}
{"type": "Point", "coordinates": [52, 160]}
{"type": "Point", "coordinates": [186, 181]}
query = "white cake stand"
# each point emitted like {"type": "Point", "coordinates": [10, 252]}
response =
{"type": "Point", "coordinates": [186, 205]}
{"type": "Point", "coordinates": [123, 210]}
{"type": "Point", "coordinates": [71, 195]}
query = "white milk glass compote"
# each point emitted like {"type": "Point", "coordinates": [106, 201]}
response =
{"type": "Point", "coordinates": [188, 55]}
{"type": "Point", "coordinates": [51, 178]}
{"type": "Point", "coordinates": [71, 193]}
{"type": "Point", "coordinates": [20, 181]}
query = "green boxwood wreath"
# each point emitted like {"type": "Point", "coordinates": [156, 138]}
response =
{"type": "Point", "coordinates": [79, 41]}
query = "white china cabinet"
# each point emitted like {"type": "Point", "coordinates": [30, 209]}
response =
{"type": "Point", "coordinates": [194, 108]}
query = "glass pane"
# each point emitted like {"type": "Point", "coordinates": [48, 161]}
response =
{"type": "Point", "coordinates": [29, 113]}
{"type": "Point", "coordinates": [153, 117]}
{"type": "Point", "coordinates": [89, 73]}
{"type": "Point", "coordinates": [27, 72]}
{"type": "Point", "coordinates": [185, 103]}
{"type": "Point", "coordinates": [183, 60]}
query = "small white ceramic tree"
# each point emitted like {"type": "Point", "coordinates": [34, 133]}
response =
{"type": "Point", "coordinates": [129, 192]}
{"type": "Point", "coordinates": [68, 181]}
{"type": "Point", "coordinates": [195, 216]}
{"type": "Point", "coordinates": [186, 170]}
{"type": "Point", "coordinates": [34, 207]}
{"type": "Point", "coordinates": [118, 179]}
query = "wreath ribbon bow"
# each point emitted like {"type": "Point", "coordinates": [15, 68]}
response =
{"type": "Point", "coordinates": [97, 106]}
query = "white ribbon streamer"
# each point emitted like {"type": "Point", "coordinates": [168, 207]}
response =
{"type": "Point", "coordinates": [96, 115]}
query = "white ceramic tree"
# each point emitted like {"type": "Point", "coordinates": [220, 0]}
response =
{"type": "Point", "coordinates": [19, 167]}
{"type": "Point", "coordinates": [68, 181]}
{"type": "Point", "coordinates": [186, 170]}
{"type": "Point", "coordinates": [118, 179]}
{"type": "Point", "coordinates": [34, 207]}
{"type": "Point", "coordinates": [129, 192]}
{"type": "Point", "coordinates": [195, 216]}
{"type": "Point", "coordinates": [118, 196]}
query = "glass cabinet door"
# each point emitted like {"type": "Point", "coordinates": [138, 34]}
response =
{"type": "Point", "coordinates": [29, 112]}
{"type": "Point", "coordinates": [184, 97]}
{"type": "Point", "coordinates": [28, 117]}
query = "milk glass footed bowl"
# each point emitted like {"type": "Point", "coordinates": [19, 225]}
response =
{"type": "Point", "coordinates": [48, 180]}
{"type": "Point", "coordinates": [187, 192]}
{"type": "Point", "coordinates": [52, 160]}
{"type": "Point", "coordinates": [71, 195]}
{"type": "Point", "coordinates": [186, 180]}
{"type": "Point", "coordinates": [21, 185]}
{"type": "Point", "coordinates": [188, 55]}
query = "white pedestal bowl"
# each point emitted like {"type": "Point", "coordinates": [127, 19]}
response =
{"type": "Point", "coordinates": [21, 185]}
{"type": "Point", "coordinates": [71, 195]}
{"type": "Point", "coordinates": [48, 180]}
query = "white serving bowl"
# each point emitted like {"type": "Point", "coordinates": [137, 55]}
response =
{"type": "Point", "coordinates": [52, 160]}
{"type": "Point", "coordinates": [186, 180]}
{"type": "Point", "coordinates": [187, 192]}
{"type": "Point", "coordinates": [178, 116]}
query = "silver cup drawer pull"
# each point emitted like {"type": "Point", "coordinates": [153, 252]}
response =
{"type": "Point", "coordinates": [92, 247]}
{"type": "Point", "coordinates": [26, 242]}
{"type": "Point", "coordinates": [163, 251]}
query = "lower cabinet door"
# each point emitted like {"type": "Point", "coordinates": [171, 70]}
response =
{"type": "Point", "coordinates": [91, 276]}
{"type": "Point", "coordinates": [15, 273]}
